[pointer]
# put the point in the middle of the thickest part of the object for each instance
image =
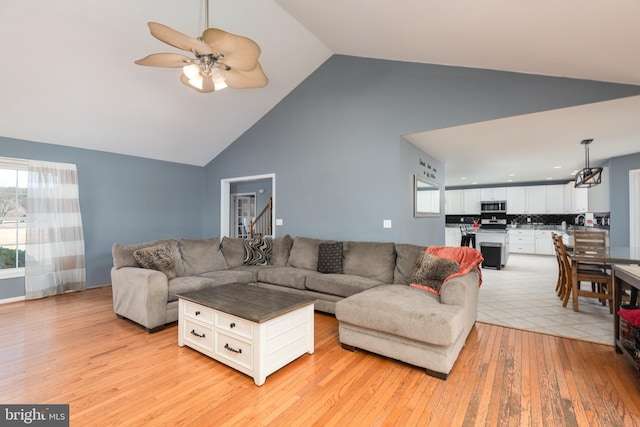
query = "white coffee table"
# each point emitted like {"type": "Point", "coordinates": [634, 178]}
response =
{"type": "Point", "coordinates": [253, 330]}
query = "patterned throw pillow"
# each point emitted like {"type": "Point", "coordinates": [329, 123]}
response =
{"type": "Point", "coordinates": [157, 257]}
{"type": "Point", "coordinates": [257, 251]}
{"type": "Point", "coordinates": [429, 272]}
{"type": "Point", "coordinates": [330, 258]}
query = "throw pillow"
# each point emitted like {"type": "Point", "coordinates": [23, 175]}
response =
{"type": "Point", "coordinates": [429, 272]}
{"type": "Point", "coordinates": [157, 257]}
{"type": "Point", "coordinates": [330, 258]}
{"type": "Point", "coordinates": [257, 251]}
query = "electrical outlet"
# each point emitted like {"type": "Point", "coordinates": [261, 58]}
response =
{"type": "Point", "coordinates": [386, 223]}
{"type": "Point", "coordinates": [279, 221]}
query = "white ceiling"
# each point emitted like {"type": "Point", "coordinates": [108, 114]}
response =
{"type": "Point", "coordinates": [68, 75]}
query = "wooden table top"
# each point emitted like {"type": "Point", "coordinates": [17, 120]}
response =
{"type": "Point", "coordinates": [248, 302]}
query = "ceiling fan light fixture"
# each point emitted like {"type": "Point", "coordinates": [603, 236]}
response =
{"type": "Point", "coordinates": [207, 72]}
{"type": "Point", "coordinates": [588, 176]}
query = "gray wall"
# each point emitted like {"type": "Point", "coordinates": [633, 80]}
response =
{"type": "Point", "coordinates": [619, 168]}
{"type": "Point", "coordinates": [123, 199]}
{"type": "Point", "coordinates": [335, 143]}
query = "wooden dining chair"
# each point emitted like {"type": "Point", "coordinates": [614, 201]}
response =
{"type": "Point", "coordinates": [588, 274]}
{"type": "Point", "coordinates": [561, 284]}
{"type": "Point", "coordinates": [592, 244]}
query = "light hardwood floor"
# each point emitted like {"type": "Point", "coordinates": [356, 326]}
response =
{"type": "Point", "coordinates": [72, 349]}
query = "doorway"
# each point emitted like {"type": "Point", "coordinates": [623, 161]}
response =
{"type": "Point", "coordinates": [268, 184]}
{"type": "Point", "coordinates": [244, 211]}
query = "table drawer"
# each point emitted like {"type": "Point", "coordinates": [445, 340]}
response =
{"type": "Point", "coordinates": [196, 311]}
{"type": "Point", "coordinates": [198, 335]}
{"type": "Point", "coordinates": [235, 325]}
{"type": "Point", "coordinates": [234, 350]}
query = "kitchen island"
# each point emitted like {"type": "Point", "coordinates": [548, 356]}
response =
{"type": "Point", "coordinates": [494, 236]}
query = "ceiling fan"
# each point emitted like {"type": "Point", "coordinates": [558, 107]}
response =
{"type": "Point", "coordinates": [221, 59]}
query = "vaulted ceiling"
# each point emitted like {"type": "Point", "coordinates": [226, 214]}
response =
{"type": "Point", "coordinates": [68, 75]}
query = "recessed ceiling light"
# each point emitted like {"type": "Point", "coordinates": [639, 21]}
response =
{"type": "Point", "coordinates": [474, 182]}
{"type": "Point", "coordinates": [557, 167]}
{"type": "Point", "coordinates": [509, 180]}
{"type": "Point", "coordinates": [512, 174]}
{"type": "Point", "coordinates": [463, 177]}
{"type": "Point", "coordinates": [548, 178]}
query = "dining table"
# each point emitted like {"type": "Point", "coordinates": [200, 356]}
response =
{"type": "Point", "coordinates": [614, 255]}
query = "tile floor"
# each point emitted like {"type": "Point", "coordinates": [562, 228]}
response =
{"type": "Point", "coordinates": [522, 295]}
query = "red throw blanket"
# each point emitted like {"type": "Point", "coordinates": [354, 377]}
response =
{"type": "Point", "coordinates": [467, 257]}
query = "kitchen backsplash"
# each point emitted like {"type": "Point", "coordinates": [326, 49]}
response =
{"type": "Point", "coordinates": [526, 219]}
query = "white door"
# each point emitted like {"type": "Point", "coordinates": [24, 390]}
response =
{"type": "Point", "coordinates": [244, 211]}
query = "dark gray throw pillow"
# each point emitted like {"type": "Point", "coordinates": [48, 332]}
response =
{"type": "Point", "coordinates": [330, 258]}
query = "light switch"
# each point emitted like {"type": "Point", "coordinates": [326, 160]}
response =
{"type": "Point", "coordinates": [279, 221]}
{"type": "Point", "coordinates": [386, 223]}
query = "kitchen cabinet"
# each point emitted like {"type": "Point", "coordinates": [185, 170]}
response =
{"type": "Point", "coordinates": [579, 198]}
{"type": "Point", "coordinates": [536, 199]}
{"type": "Point", "coordinates": [452, 236]}
{"type": "Point", "coordinates": [471, 202]}
{"type": "Point", "coordinates": [522, 241]}
{"type": "Point", "coordinates": [494, 193]}
{"type": "Point", "coordinates": [454, 202]}
{"type": "Point", "coordinates": [543, 242]}
{"type": "Point", "coordinates": [555, 199]}
{"type": "Point", "coordinates": [516, 200]}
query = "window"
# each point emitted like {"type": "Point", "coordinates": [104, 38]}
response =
{"type": "Point", "coordinates": [13, 216]}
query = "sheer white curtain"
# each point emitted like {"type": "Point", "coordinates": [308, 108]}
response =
{"type": "Point", "coordinates": [55, 243]}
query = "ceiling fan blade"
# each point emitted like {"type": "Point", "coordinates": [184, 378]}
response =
{"type": "Point", "coordinates": [207, 84]}
{"type": "Point", "coordinates": [240, 53]}
{"type": "Point", "coordinates": [178, 39]}
{"type": "Point", "coordinates": [255, 78]}
{"type": "Point", "coordinates": [170, 60]}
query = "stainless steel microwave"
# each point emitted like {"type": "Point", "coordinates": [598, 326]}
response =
{"type": "Point", "coordinates": [493, 206]}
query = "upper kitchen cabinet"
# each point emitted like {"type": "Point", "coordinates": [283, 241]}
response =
{"type": "Point", "coordinates": [472, 202]}
{"type": "Point", "coordinates": [454, 202]}
{"type": "Point", "coordinates": [536, 199]}
{"type": "Point", "coordinates": [462, 202]}
{"type": "Point", "coordinates": [516, 200]}
{"type": "Point", "coordinates": [555, 199]}
{"type": "Point", "coordinates": [496, 193]}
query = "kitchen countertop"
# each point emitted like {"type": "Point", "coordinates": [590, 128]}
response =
{"type": "Point", "coordinates": [568, 230]}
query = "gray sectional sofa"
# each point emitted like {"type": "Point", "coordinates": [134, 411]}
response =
{"type": "Point", "coordinates": [374, 277]}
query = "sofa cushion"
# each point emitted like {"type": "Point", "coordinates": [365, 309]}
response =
{"type": "Point", "coordinates": [330, 258]}
{"type": "Point", "coordinates": [406, 255]}
{"type": "Point", "coordinates": [257, 251]}
{"type": "Point", "coordinates": [253, 269]}
{"type": "Point", "coordinates": [430, 271]}
{"type": "Point", "coordinates": [233, 251]}
{"type": "Point", "coordinates": [404, 311]}
{"type": "Point", "coordinates": [280, 249]}
{"type": "Point", "coordinates": [340, 284]}
{"type": "Point", "coordinates": [373, 260]}
{"type": "Point", "coordinates": [157, 257]}
{"type": "Point", "coordinates": [199, 256]}
{"type": "Point", "coordinates": [214, 278]}
{"type": "Point", "coordinates": [123, 253]}
{"type": "Point", "coordinates": [304, 253]}
{"type": "Point", "coordinates": [290, 277]}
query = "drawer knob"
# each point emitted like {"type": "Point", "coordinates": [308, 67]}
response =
{"type": "Point", "coordinates": [228, 347]}
{"type": "Point", "coordinates": [193, 332]}
{"type": "Point", "coordinates": [232, 325]}
{"type": "Point", "coordinates": [198, 313]}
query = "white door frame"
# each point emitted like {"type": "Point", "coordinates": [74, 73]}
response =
{"type": "Point", "coordinates": [225, 198]}
{"type": "Point", "coordinates": [634, 207]}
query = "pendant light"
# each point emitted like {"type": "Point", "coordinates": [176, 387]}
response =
{"type": "Point", "coordinates": [588, 176]}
